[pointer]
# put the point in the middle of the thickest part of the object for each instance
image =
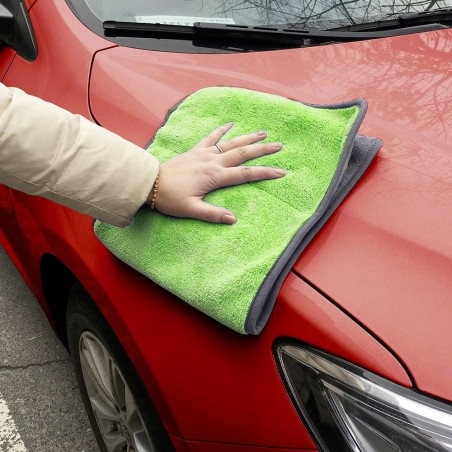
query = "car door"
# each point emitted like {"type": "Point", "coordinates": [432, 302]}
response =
{"type": "Point", "coordinates": [8, 226]}
{"type": "Point", "coordinates": [59, 74]}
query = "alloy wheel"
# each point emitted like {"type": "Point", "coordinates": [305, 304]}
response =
{"type": "Point", "coordinates": [118, 417]}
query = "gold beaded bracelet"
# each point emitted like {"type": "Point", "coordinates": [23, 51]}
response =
{"type": "Point", "coordinates": [154, 192]}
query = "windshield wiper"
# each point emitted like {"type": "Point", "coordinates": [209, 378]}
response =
{"type": "Point", "coordinates": [440, 16]}
{"type": "Point", "coordinates": [255, 34]}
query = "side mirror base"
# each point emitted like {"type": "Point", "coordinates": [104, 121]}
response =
{"type": "Point", "coordinates": [16, 30]}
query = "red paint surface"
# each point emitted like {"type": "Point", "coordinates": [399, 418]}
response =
{"type": "Point", "coordinates": [6, 57]}
{"type": "Point", "coordinates": [194, 446]}
{"type": "Point", "coordinates": [208, 382]}
{"type": "Point", "coordinates": [385, 256]}
{"type": "Point", "coordinates": [60, 74]}
{"type": "Point", "coordinates": [382, 257]}
{"type": "Point", "coordinates": [29, 3]}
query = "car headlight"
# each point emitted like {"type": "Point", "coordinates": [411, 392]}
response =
{"type": "Point", "coordinates": [348, 408]}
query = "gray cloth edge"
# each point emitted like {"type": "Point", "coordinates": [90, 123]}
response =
{"type": "Point", "coordinates": [364, 149]}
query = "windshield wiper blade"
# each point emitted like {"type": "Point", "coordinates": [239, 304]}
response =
{"type": "Point", "coordinates": [114, 29]}
{"type": "Point", "coordinates": [291, 35]}
{"type": "Point", "coordinates": [256, 34]}
{"type": "Point", "coordinates": [440, 16]}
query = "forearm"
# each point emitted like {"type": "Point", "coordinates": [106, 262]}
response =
{"type": "Point", "coordinates": [47, 151]}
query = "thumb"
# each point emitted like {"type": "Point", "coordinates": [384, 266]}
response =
{"type": "Point", "coordinates": [213, 214]}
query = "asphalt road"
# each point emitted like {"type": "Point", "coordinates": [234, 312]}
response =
{"type": "Point", "coordinates": [40, 407]}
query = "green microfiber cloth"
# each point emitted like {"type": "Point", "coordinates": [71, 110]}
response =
{"type": "Point", "coordinates": [233, 273]}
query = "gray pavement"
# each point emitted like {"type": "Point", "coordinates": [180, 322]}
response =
{"type": "Point", "coordinates": [36, 379]}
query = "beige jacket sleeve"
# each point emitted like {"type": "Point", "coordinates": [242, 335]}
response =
{"type": "Point", "coordinates": [47, 151]}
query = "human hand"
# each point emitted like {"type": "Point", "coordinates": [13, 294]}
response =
{"type": "Point", "coordinates": [184, 180]}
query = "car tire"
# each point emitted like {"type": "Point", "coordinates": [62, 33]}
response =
{"type": "Point", "coordinates": [119, 408]}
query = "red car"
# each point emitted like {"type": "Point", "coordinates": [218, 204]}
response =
{"type": "Point", "coordinates": [357, 353]}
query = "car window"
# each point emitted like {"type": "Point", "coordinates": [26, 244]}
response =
{"type": "Point", "coordinates": [286, 15]}
{"type": "Point", "coordinates": [295, 13]}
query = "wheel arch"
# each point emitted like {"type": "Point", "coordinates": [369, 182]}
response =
{"type": "Point", "coordinates": [84, 316]}
{"type": "Point", "coordinates": [56, 298]}
{"type": "Point", "coordinates": [57, 281]}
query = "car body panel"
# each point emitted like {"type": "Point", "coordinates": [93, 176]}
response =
{"type": "Point", "coordinates": [181, 354]}
{"type": "Point", "coordinates": [383, 256]}
{"type": "Point", "coordinates": [65, 45]}
{"type": "Point", "coordinates": [197, 446]}
{"type": "Point", "coordinates": [391, 239]}
{"type": "Point", "coordinates": [8, 224]}
{"type": "Point", "coordinates": [29, 3]}
{"type": "Point", "coordinates": [6, 57]}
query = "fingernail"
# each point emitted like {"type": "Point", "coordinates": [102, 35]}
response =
{"type": "Point", "coordinates": [276, 145]}
{"type": "Point", "coordinates": [262, 133]}
{"type": "Point", "coordinates": [228, 219]}
{"type": "Point", "coordinates": [229, 124]}
{"type": "Point", "coordinates": [280, 172]}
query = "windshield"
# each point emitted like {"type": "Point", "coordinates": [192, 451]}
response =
{"type": "Point", "coordinates": [317, 14]}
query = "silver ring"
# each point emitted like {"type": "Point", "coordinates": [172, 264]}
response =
{"type": "Point", "coordinates": [219, 148]}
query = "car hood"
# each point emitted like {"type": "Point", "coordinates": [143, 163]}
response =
{"type": "Point", "coordinates": [385, 256]}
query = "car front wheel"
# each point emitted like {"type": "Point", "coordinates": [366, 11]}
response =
{"type": "Point", "coordinates": [122, 415]}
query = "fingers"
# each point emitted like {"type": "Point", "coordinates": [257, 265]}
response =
{"type": "Point", "coordinates": [242, 140]}
{"type": "Point", "coordinates": [213, 214]}
{"type": "Point", "coordinates": [213, 137]}
{"type": "Point", "coordinates": [243, 153]}
{"type": "Point", "coordinates": [242, 174]}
